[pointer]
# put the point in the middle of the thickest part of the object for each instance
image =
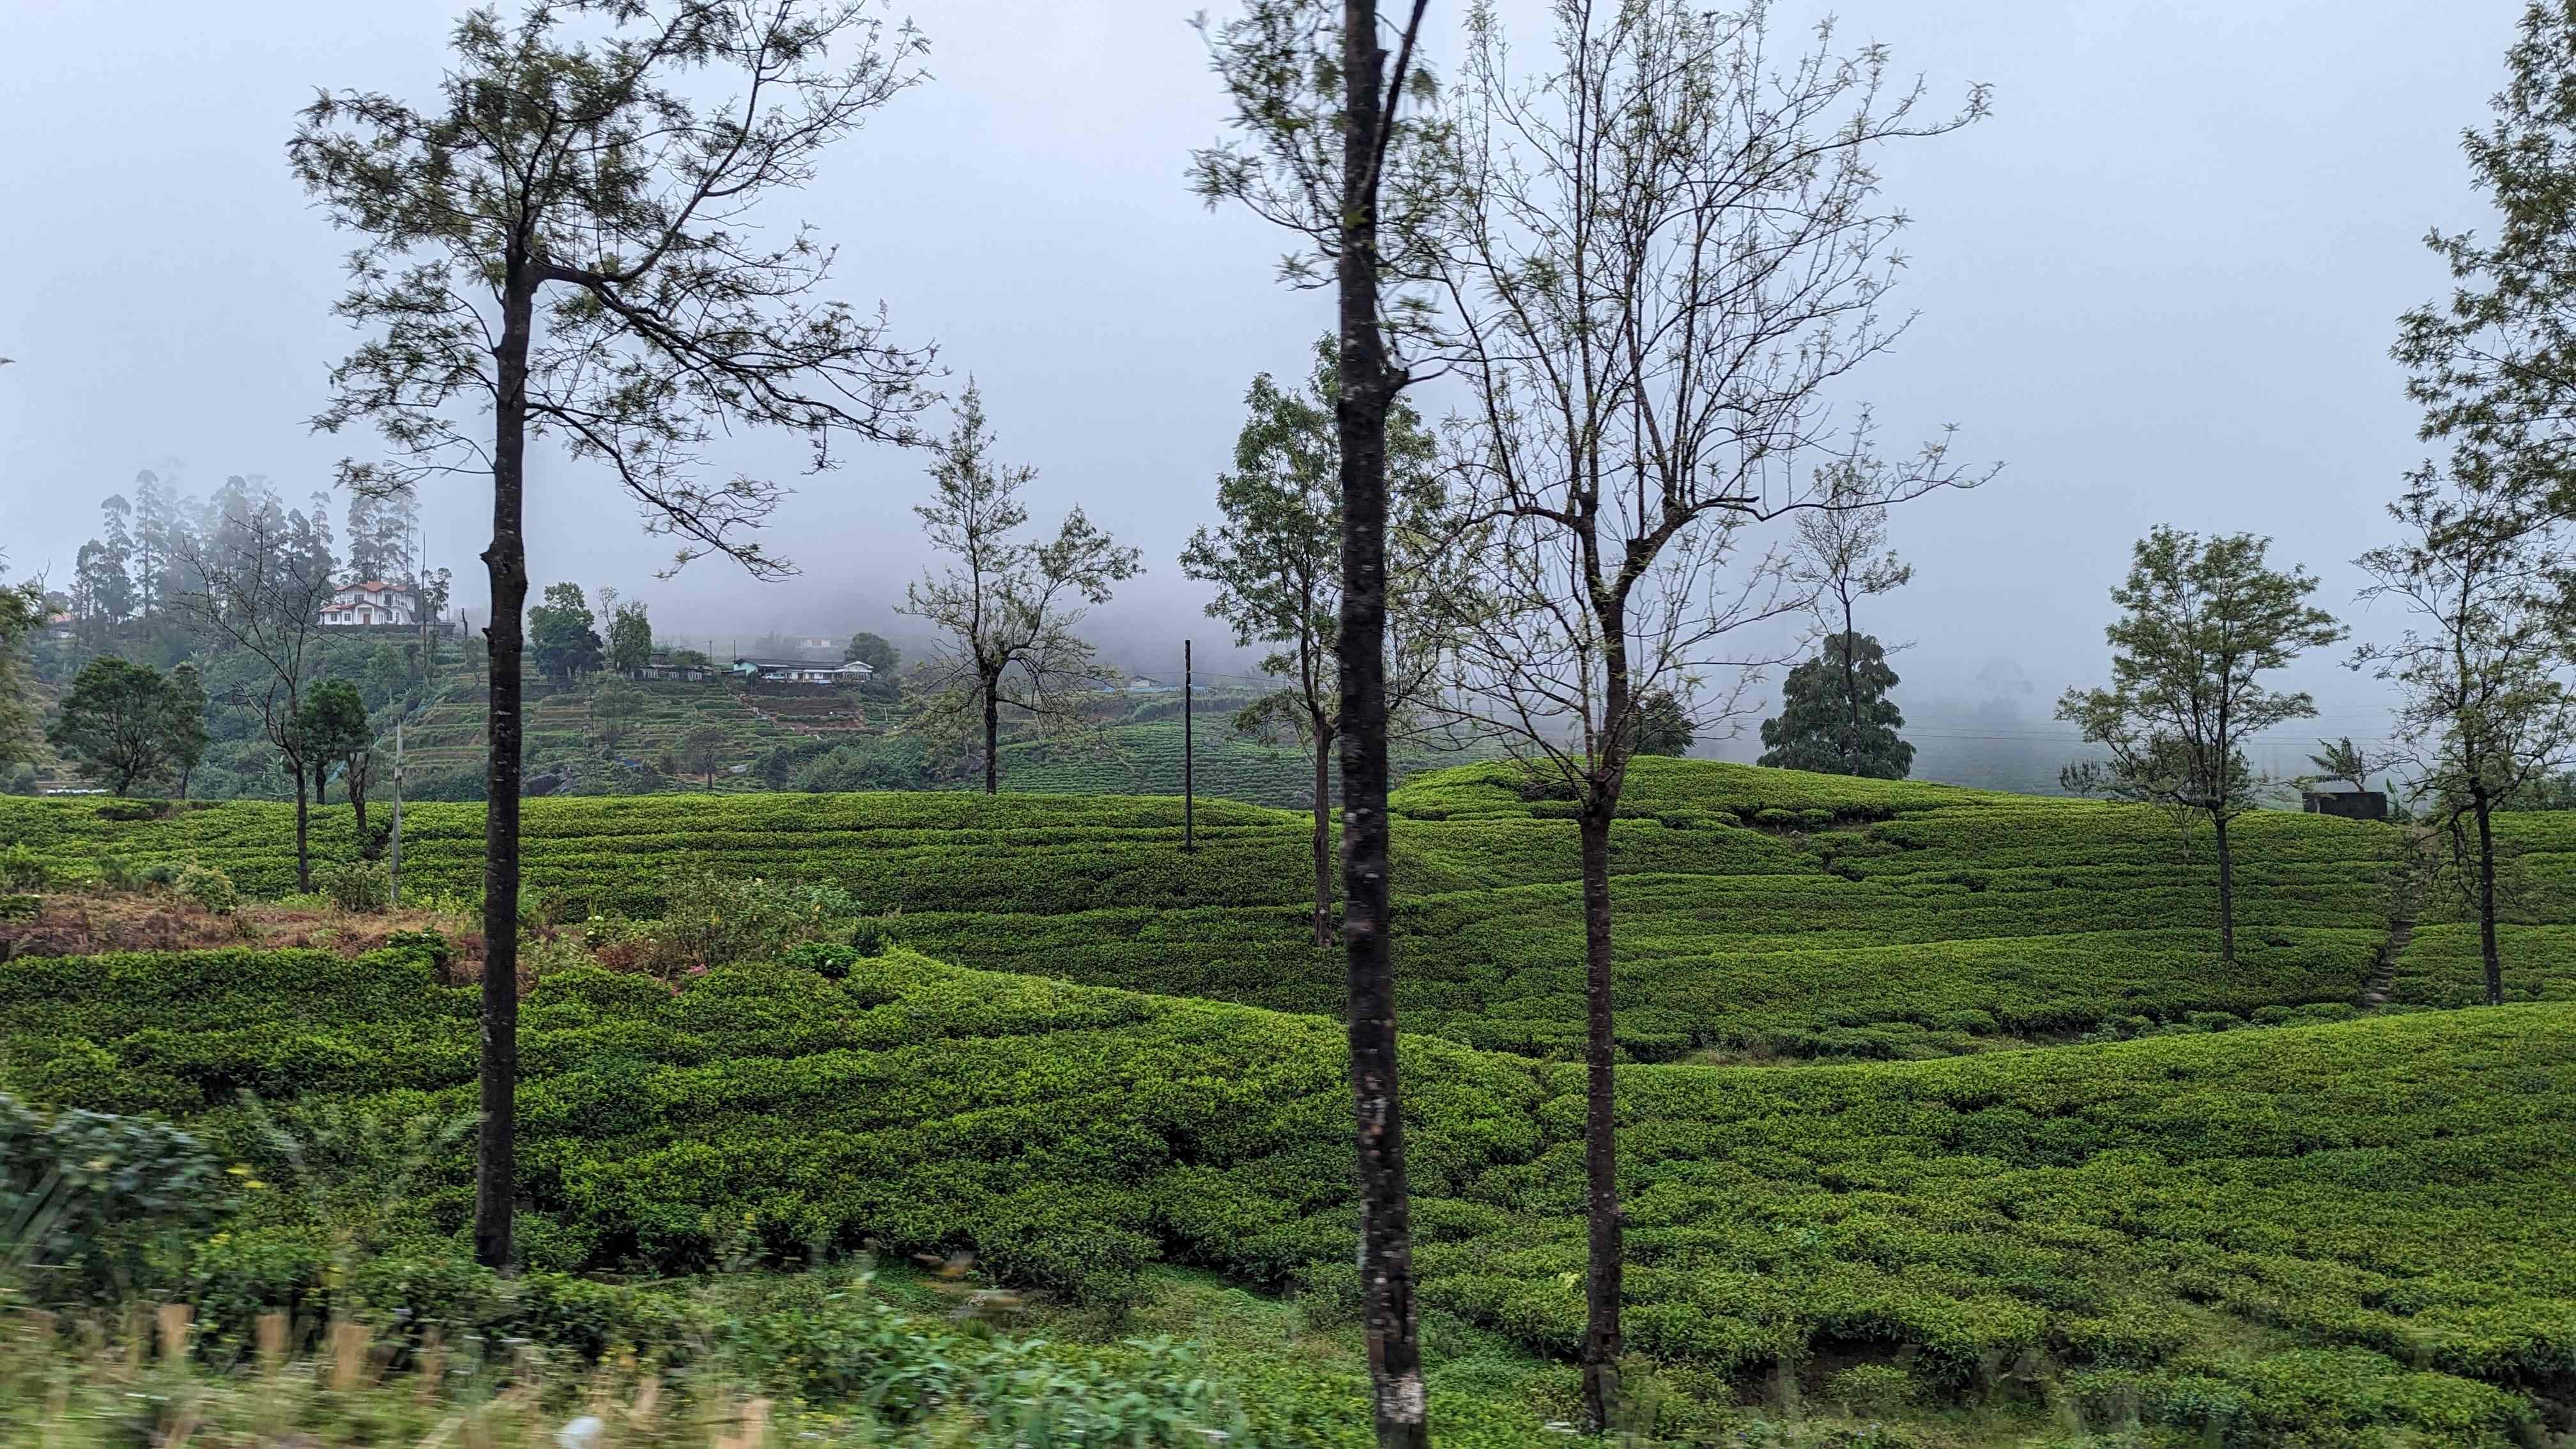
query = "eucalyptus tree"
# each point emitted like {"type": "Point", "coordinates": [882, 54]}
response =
{"type": "Point", "coordinates": [2484, 712]}
{"type": "Point", "coordinates": [249, 588]}
{"type": "Point", "coordinates": [1276, 563]}
{"type": "Point", "coordinates": [2494, 363]}
{"type": "Point", "coordinates": [1007, 606]}
{"type": "Point", "coordinates": [2201, 622]}
{"type": "Point", "coordinates": [565, 242]}
{"type": "Point", "coordinates": [1323, 132]}
{"type": "Point", "coordinates": [1661, 256]}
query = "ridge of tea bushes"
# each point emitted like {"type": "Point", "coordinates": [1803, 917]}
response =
{"type": "Point", "coordinates": [2337, 1226]}
{"type": "Point", "coordinates": [1761, 913]}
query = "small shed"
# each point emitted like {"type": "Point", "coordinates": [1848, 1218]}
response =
{"type": "Point", "coordinates": [2350, 804]}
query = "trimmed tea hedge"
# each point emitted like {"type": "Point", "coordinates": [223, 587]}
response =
{"type": "Point", "coordinates": [2311, 1229]}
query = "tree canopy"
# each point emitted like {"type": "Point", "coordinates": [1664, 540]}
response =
{"type": "Point", "coordinates": [1835, 715]}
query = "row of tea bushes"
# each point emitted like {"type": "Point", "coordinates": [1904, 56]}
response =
{"type": "Point", "coordinates": [2393, 1193]}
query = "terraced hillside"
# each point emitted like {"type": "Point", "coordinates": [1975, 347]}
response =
{"type": "Point", "coordinates": [1762, 913]}
{"type": "Point", "coordinates": [2310, 1232]}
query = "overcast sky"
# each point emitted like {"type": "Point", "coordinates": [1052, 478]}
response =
{"type": "Point", "coordinates": [2158, 285]}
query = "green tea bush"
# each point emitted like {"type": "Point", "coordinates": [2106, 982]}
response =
{"type": "Point", "coordinates": [93, 1205]}
{"type": "Point", "coordinates": [209, 887]}
{"type": "Point", "coordinates": [356, 885]}
{"type": "Point", "coordinates": [2395, 1186]}
{"type": "Point", "coordinates": [22, 869]}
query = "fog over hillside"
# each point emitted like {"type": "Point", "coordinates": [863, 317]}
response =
{"type": "Point", "coordinates": [2158, 285]}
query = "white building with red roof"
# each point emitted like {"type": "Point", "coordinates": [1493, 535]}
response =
{"type": "Point", "coordinates": [371, 604]}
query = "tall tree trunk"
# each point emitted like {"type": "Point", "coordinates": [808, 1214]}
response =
{"type": "Point", "coordinates": [2226, 894]}
{"type": "Point", "coordinates": [1607, 1250]}
{"type": "Point", "coordinates": [1851, 699]}
{"type": "Point", "coordinates": [358, 800]}
{"type": "Point", "coordinates": [2487, 954]}
{"type": "Point", "coordinates": [303, 832]}
{"type": "Point", "coordinates": [1388, 1315]}
{"type": "Point", "coordinates": [505, 563]}
{"type": "Point", "coordinates": [992, 737]}
{"type": "Point", "coordinates": [1323, 838]}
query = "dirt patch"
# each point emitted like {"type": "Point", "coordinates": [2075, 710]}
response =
{"type": "Point", "coordinates": [90, 922]}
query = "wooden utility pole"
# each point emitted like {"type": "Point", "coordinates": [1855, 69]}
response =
{"type": "Point", "coordinates": [1189, 758]}
{"type": "Point", "coordinates": [394, 871]}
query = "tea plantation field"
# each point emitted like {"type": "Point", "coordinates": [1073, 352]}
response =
{"type": "Point", "coordinates": [2254, 1233]}
{"type": "Point", "coordinates": [1928, 1077]}
{"type": "Point", "coordinates": [1762, 913]}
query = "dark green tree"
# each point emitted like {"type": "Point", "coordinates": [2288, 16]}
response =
{"type": "Point", "coordinates": [1835, 717]}
{"type": "Point", "coordinates": [333, 726]}
{"type": "Point", "coordinates": [630, 639]}
{"type": "Point", "coordinates": [2201, 622]}
{"type": "Point", "coordinates": [119, 724]}
{"type": "Point", "coordinates": [22, 616]}
{"type": "Point", "coordinates": [1664, 725]}
{"type": "Point", "coordinates": [1276, 564]}
{"type": "Point", "coordinates": [568, 236]}
{"type": "Point", "coordinates": [873, 651]}
{"type": "Point", "coordinates": [562, 629]}
{"type": "Point", "coordinates": [702, 753]}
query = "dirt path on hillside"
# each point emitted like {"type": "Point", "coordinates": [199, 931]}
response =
{"type": "Point", "coordinates": [2402, 914]}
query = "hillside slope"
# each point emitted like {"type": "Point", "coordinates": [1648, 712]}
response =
{"type": "Point", "coordinates": [1761, 913]}
{"type": "Point", "coordinates": [2316, 1229]}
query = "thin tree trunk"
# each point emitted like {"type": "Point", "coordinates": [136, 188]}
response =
{"type": "Point", "coordinates": [1608, 1253]}
{"type": "Point", "coordinates": [505, 562]}
{"type": "Point", "coordinates": [1323, 838]}
{"type": "Point", "coordinates": [2487, 954]}
{"type": "Point", "coordinates": [992, 738]}
{"type": "Point", "coordinates": [1851, 699]}
{"type": "Point", "coordinates": [2226, 895]}
{"type": "Point", "coordinates": [358, 800]}
{"type": "Point", "coordinates": [1388, 1315]}
{"type": "Point", "coordinates": [303, 834]}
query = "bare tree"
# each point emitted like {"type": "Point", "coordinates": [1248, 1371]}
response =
{"type": "Point", "coordinates": [1301, 76]}
{"type": "Point", "coordinates": [1008, 606]}
{"type": "Point", "coordinates": [1841, 558]}
{"type": "Point", "coordinates": [1658, 258]}
{"type": "Point", "coordinates": [566, 239]}
{"type": "Point", "coordinates": [250, 589]}
{"type": "Point", "coordinates": [2485, 710]}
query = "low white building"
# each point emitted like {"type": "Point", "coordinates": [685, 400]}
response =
{"type": "Point", "coordinates": [371, 604]}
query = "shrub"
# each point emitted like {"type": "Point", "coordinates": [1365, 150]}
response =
{"type": "Point", "coordinates": [121, 873]}
{"type": "Point", "coordinates": [210, 888]}
{"type": "Point", "coordinates": [356, 885]}
{"type": "Point", "coordinates": [21, 869]}
{"type": "Point", "coordinates": [21, 907]}
{"type": "Point", "coordinates": [1872, 1390]}
{"type": "Point", "coordinates": [98, 1205]}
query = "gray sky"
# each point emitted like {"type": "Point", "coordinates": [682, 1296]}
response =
{"type": "Point", "coordinates": [2159, 285]}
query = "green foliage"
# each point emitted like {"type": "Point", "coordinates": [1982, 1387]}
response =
{"type": "Point", "coordinates": [1835, 717]}
{"type": "Point", "coordinates": [356, 885]}
{"type": "Point", "coordinates": [22, 869]}
{"type": "Point", "coordinates": [126, 724]}
{"type": "Point", "coordinates": [209, 887]}
{"type": "Point", "coordinates": [1663, 725]}
{"type": "Point", "coordinates": [630, 638]}
{"type": "Point", "coordinates": [561, 636]}
{"type": "Point", "coordinates": [2202, 620]}
{"type": "Point", "coordinates": [2388, 1186]}
{"type": "Point", "coordinates": [873, 651]}
{"type": "Point", "coordinates": [93, 1205]}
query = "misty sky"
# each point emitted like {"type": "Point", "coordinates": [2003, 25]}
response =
{"type": "Point", "coordinates": [2158, 285]}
